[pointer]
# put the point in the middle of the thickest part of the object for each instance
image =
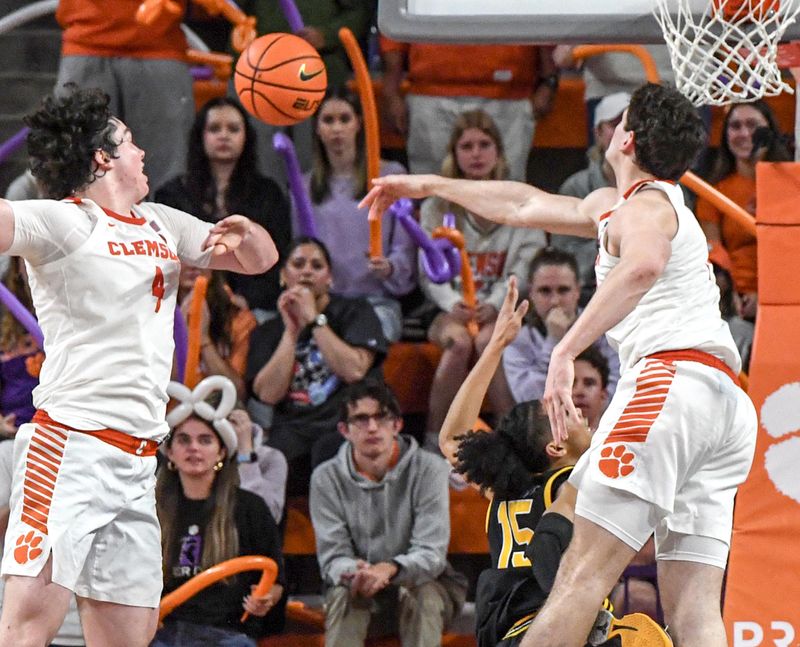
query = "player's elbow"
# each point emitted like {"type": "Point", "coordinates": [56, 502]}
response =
{"type": "Point", "coordinates": [645, 271]}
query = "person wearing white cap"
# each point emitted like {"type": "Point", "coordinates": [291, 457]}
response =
{"type": "Point", "coordinates": [206, 518]}
{"type": "Point", "coordinates": [597, 175]}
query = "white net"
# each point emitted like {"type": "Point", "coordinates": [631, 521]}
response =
{"type": "Point", "coordinates": [729, 53]}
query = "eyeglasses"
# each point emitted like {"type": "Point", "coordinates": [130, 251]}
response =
{"type": "Point", "coordinates": [362, 420]}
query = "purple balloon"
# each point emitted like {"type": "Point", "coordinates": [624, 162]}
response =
{"type": "Point", "coordinates": [436, 254]}
{"type": "Point", "coordinates": [13, 143]}
{"type": "Point", "coordinates": [292, 15]}
{"type": "Point", "coordinates": [22, 314]}
{"type": "Point", "coordinates": [181, 335]}
{"type": "Point", "coordinates": [305, 213]}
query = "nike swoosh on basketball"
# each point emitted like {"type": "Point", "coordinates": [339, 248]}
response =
{"type": "Point", "coordinates": [307, 77]}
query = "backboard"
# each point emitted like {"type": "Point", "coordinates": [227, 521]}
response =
{"type": "Point", "coordinates": [527, 21]}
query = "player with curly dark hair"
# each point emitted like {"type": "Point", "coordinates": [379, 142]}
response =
{"type": "Point", "coordinates": [103, 270]}
{"type": "Point", "coordinates": [524, 473]}
{"type": "Point", "coordinates": [658, 462]}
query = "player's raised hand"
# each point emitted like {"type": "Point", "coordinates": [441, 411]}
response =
{"type": "Point", "coordinates": [509, 319]}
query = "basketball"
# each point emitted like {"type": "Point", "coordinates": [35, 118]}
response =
{"type": "Point", "coordinates": [280, 79]}
{"type": "Point", "coordinates": [746, 9]}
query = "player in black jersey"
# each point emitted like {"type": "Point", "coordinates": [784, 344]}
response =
{"type": "Point", "coordinates": [524, 473]}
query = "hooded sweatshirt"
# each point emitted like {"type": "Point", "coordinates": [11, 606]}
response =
{"type": "Point", "coordinates": [405, 517]}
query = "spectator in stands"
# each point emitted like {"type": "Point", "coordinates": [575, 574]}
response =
{"type": "Point", "coordinates": [520, 470]}
{"type": "Point", "coordinates": [70, 633]}
{"type": "Point", "coordinates": [475, 151]}
{"type": "Point", "coordinates": [322, 20]}
{"type": "Point", "coordinates": [596, 175]}
{"type": "Point", "coordinates": [336, 184]}
{"type": "Point", "coordinates": [590, 388]}
{"type": "Point", "coordinates": [750, 134]}
{"type": "Point", "coordinates": [730, 305]}
{"type": "Point", "coordinates": [225, 325]}
{"type": "Point", "coordinates": [611, 73]}
{"type": "Point", "coordinates": [554, 291]}
{"type": "Point", "coordinates": [300, 363]}
{"type": "Point", "coordinates": [262, 469]}
{"type": "Point", "coordinates": [380, 511]}
{"type": "Point", "coordinates": [222, 180]}
{"type": "Point", "coordinates": [206, 518]}
{"type": "Point", "coordinates": [515, 84]}
{"type": "Point", "coordinates": [20, 357]}
{"type": "Point", "coordinates": [141, 67]}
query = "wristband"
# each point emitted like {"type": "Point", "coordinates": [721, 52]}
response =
{"type": "Point", "coordinates": [252, 457]}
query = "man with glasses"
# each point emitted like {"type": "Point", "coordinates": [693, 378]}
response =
{"type": "Point", "coordinates": [380, 511]}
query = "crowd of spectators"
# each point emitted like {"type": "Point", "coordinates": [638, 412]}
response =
{"type": "Point", "coordinates": [303, 343]}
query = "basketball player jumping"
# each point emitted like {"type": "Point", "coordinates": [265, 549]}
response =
{"type": "Point", "coordinates": [679, 434]}
{"type": "Point", "coordinates": [104, 277]}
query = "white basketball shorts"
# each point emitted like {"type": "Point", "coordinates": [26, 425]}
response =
{"type": "Point", "coordinates": [670, 451]}
{"type": "Point", "coordinates": [91, 505]}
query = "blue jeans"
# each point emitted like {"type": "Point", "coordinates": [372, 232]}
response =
{"type": "Point", "coordinates": [187, 634]}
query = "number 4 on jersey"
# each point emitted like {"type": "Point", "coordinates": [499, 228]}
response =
{"type": "Point", "coordinates": [158, 287]}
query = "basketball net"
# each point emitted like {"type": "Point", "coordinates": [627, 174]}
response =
{"type": "Point", "coordinates": [729, 53]}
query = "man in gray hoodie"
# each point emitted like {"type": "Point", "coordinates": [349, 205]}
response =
{"type": "Point", "coordinates": [380, 511]}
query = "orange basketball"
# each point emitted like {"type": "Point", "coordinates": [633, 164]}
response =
{"type": "Point", "coordinates": [746, 9]}
{"type": "Point", "coordinates": [280, 79]}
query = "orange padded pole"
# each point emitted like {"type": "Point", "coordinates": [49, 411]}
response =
{"type": "Point", "coordinates": [762, 610]}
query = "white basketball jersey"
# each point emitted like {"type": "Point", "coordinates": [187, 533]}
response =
{"type": "Point", "coordinates": [106, 310]}
{"type": "Point", "coordinates": [681, 310]}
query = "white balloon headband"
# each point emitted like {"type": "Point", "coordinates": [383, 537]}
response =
{"type": "Point", "coordinates": [194, 402]}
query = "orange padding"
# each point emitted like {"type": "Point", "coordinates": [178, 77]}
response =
{"type": "Point", "coordinates": [408, 370]}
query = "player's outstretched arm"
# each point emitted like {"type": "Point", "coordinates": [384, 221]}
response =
{"type": "Point", "coordinates": [510, 203]}
{"type": "Point", "coordinates": [466, 405]}
{"type": "Point", "coordinates": [240, 245]}
{"type": "Point", "coordinates": [6, 225]}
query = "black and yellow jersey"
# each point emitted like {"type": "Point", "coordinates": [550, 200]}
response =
{"type": "Point", "coordinates": [508, 594]}
{"type": "Point", "coordinates": [510, 523]}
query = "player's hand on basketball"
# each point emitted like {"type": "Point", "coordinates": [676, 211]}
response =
{"type": "Point", "coordinates": [260, 606]}
{"type": "Point", "coordinates": [509, 319]}
{"type": "Point", "coordinates": [557, 397]}
{"type": "Point", "coordinates": [227, 234]}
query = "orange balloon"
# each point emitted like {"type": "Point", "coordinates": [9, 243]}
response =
{"type": "Point", "coordinates": [203, 580]}
{"type": "Point", "coordinates": [190, 374]}
{"type": "Point", "coordinates": [467, 279]}
{"type": "Point", "coordinates": [371, 133]}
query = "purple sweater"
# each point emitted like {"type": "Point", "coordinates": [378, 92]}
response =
{"type": "Point", "coordinates": [343, 227]}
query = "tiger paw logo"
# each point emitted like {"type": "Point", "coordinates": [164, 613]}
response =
{"type": "Point", "coordinates": [616, 461]}
{"type": "Point", "coordinates": [780, 417]}
{"type": "Point", "coordinates": [27, 547]}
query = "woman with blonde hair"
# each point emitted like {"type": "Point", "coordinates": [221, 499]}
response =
{"type": "Point", "coordinates": [496, 252]}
